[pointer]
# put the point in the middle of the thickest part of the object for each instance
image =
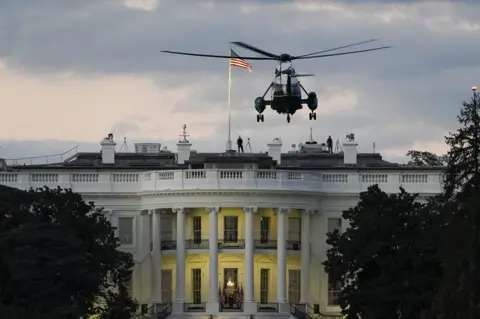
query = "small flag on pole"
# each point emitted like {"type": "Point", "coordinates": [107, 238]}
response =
{"type": "Point", "coordinates": [237, 61]}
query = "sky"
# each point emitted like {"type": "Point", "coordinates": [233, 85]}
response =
{"type": "Point", "coordinates": [72, 71]}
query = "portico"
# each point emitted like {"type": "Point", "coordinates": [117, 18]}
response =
{"type": "Point", "coordinates": [250, 249]}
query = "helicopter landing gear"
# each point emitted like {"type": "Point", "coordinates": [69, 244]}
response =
{"type": "Point", "coordinates": [313, 116]}
{"type": "Point", "coordinates": [288, 118]}
{"type": "Point", "coordinates": [260, 117]}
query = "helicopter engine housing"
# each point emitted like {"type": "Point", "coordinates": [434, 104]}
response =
{"type": "Point", "coordinates": [260, 104]}
{"type": "Point", "coordinates": [312, 101]}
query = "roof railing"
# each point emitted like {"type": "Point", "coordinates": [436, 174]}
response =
{"type": "Point", "coordinates": [43, 159]}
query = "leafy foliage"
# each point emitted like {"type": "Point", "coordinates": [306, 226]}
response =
{"type": "Point", "coordinates": [386, 258]}
{"type": "Point", "coordinates": [59, 255]}
{"type": "Point", "coordinates": [423, 158]}
{"type": "Point", "coordinates": [459, 295]}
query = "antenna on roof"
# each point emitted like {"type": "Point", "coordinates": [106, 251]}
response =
{"type": "Point", "coordinates": [338, 146]}
{"type": "Point", "coordinates": [124, 146]}
{"type": "Point", "coordinates": [248, 144]}
{"type": "Point", "coordinates": [184, 134]}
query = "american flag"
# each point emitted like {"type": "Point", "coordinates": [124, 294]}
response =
{"type": "Point", "coordinates": [237, 61]}
{"type": "Point", "coordinates": [240, 296]}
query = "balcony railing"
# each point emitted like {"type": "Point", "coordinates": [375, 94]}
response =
{"type": "Point", "coordinates": [265, 244]}
{"type": "Point", "coordinates": [196, 244]}
{"type": "Point", "coordinates": [423, 182]}
{"type": "Point", "coordinates": [231, 244]}
{"type": "Point", "coordinates": [168, 245]}
{"type": "Point", "coordinates": [267, 307]}
{"type": "Point", "coordinates": [194, 307]}
{"type": "Point", "coordinates": [294, 245]}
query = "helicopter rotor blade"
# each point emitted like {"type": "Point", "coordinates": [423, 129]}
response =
{"type": "Point", "coordinates": [338, 48]}
{"type": "Point", "coordinates": [337, 54]}
{"type": "Point", "coordinates": [217, 56]}
{"type": "Point", "coordinates": [302, 75]}
{"type": "Point", "coordinates": [255, 49]}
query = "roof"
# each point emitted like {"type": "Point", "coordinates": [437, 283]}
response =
{"type": "Point", "coordinates": [166, 160]}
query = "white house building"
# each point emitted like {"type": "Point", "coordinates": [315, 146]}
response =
{"type": "Point", "coordinates": [227, 235]}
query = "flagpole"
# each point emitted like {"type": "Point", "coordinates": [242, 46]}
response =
{"type": "Point", "coordinates": [229, 141]}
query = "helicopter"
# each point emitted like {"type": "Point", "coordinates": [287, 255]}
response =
{"type": "Point", "coordinates": [286, 96]}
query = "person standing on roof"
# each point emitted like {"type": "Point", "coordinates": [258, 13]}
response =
{"type": "Point", "coordinates": [240, 144]}
{"type": "Point", "coordinates": [330, 144]}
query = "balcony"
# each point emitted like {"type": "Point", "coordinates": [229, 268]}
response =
{"type": "Point", "coordinates": [196, 244]}
{"type": "Point", "coordinates": [267, 307]}
{"type": "Point", "coordinates": [194, 307]}
{"type": "Point", "coordinates": [229, 244]}
{"type": "Point", "coordinates": [353, 182]}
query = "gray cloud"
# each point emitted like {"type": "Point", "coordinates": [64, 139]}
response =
{"type": "Point", "coordinates": [419, 83]}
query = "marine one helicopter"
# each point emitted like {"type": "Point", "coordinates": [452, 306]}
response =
{"type": "Point", "coordinates": [286, 96]}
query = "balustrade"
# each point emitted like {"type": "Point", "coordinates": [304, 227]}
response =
{"type": "Point", "coordinates": [306, 181]}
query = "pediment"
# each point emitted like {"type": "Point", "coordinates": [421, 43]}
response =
{"type": "Point", "coordinates": [197, 259]}
{"type": "Point", "coordinates": [267, 259]}
{"type": "Point", "coordinates": [227, 258]}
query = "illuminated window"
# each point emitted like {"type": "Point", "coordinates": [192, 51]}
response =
{"type": "Point", "coordinates": [197, 229]}
{"type": "Point", "coordinates": [230, 229]}
{"type": "Point", "coordinates": [197, 285]}
{"type": "Point", "coordinates": [264, 229]}
{"type": "Point", "coordinates": [294, 286]}
{"type": "Point", "coordinates": [264, 275]}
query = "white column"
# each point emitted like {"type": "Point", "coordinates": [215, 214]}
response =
{"type": "Point", "coordinates": [249, 299]}
{"type": "Point", "coordinates": [212, 305]}
{"type": "Point", "coordinates": [305, 258]}
{"type": "Point", "coordinates": [282, 259]}
{"type": "Point", "coordinates": [181, 256]}
{"type": "Point", "coordinates": [156, 258]}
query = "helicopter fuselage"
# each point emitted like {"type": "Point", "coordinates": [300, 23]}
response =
{"type": "Point", "coordinates": [286, 98]}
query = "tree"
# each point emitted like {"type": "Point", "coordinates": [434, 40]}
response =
{"type": "Point", "coordinates": [459, 296]}
{"type": "Point", "coordinates": [423, 158]}
{"type": "Point", "coordinates": [59, 255]}
{"type": "Point", "coordinates": [386, 258]}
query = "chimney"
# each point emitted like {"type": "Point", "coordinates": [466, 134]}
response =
{"type": "Point", "coordinates": [108, 150]}
{"type": "Point", "coordinates": [183, 153]}
{"type": "Point", "coordinates": [275, 149]}
{"type": "Point", "coordinates": [350, 150]}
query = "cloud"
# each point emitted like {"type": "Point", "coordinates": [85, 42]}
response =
{"type": "Point", "coordinates": [74, 70]}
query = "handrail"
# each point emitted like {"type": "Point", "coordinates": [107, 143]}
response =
{"type": "Point", "coordinates": [31, 158]}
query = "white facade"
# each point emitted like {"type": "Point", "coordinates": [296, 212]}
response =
{"type": "Point", "coordinates": [178, 225]}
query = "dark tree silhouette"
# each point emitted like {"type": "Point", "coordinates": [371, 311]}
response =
{"type": "Point", "coordinates": [59, 256]}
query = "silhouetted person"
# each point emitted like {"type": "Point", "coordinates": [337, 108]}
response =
{"type": "Point", "coordinates": [240, 144]}
{"type": "Point", "coordinates": [330, 144]}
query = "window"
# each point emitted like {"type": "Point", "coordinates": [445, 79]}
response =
{"type": "Point", "coordinates": [197, 285]}
{"type": "Point", "coordinates": [230, 276]}
{"type": "Point", "coordinates": [294, 286]}
{"type": "Point", "coordinates": [264, 229]}
{"type": "Point", "coordinates": [125, 230]}
{"type": "Point", "coordinates": [230, 229]}
{"type": "Point", "coordinates": [264, 275]}
{"type": "Point", "coordinates": [294, 228]}
{"type": "Point", "coordinates": [333, 292]}
{"type": "Point", "coordinates": [334, 223]}
{"type": "Point", "coordinates": [166, 228]}
{"type": "Point", "coordinates": [197, 229]}
{"type": "Point", "coordinates": [166, 285]}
